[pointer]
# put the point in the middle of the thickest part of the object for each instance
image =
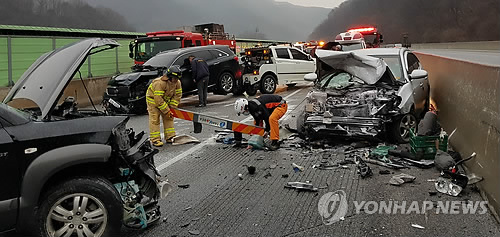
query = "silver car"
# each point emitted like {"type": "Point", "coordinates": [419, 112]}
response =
{"type": "Point", "coordinates": [365, 93]}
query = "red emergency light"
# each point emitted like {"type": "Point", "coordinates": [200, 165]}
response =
{"type": "Point", "coordinates": [364, 30]}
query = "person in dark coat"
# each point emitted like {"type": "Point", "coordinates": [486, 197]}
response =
{"type": "Point", "coordinates": [200, 74]}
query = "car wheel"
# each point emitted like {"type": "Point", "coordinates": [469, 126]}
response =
{"type": "Point", "coordinates": [402, 126]}
{"type": "Point", "coordinates": [226, 83]}
{"type": "Point", "coordinates": [268, 84]}
{"type": "Point", "coordinates": [81, 207]}
{"type": "Point", "coordinates": [251, 90]}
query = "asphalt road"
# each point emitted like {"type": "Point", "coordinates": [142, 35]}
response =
{"type": "Point", "coordinates": [219, 203]}
{"type": "Point", "coordinates": [486, 57]}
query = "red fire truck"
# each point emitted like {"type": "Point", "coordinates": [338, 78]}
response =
{"type": "Point", "coordinates": [142, 49]}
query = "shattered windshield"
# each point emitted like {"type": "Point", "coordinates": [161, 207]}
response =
{"type": "Point", "coordinates": [339, 80]}
{"type": "Point", "coordinates": [394, 64]}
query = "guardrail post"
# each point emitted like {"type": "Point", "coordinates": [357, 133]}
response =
{"type": "Point", "coordinates": [89, 61]}
{"type": "Point", "coordinates": [117, 67]}
{"type": "Point", "coordinates": [9, 60]}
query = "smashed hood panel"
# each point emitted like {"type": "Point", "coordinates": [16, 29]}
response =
{"type": "Point", "coordinates": [369, 69]}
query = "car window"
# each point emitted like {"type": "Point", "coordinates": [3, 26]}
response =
{"type": "Point", "coordinates": [282, 53]}
{"type": "Point", "coordinates": [413, 62]}
{"type": "Point", "coordinates": [394, 63]}
{"type": "Point", "coordinates": [198, 42]}
{"type": "Point", "coordinates": [296, 54]}
{"type": "Point", "coordinates": [161, 60]}
{"type": "Point", "coordinates": [218, 53]}
{"type": "Point", "coordinates": [205, 55]}
{"type": "Point", "coordinates": [182, 61]}
{"type": "Point", "coordinates": [188, 43]}
{"type": "Point", "coordinates": [338, 80]}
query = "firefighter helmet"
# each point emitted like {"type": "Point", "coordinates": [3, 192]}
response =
{"type": "Point", "coordinates": [174, 71]}
{"type": "Point", "coordinates": [241, 106]}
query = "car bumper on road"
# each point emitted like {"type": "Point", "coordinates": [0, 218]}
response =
{"type": "Point", "coordinates": [345, 126]}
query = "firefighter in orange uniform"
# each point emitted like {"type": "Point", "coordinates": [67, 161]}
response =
{"type": "Point", "coordinates": [164, 93]}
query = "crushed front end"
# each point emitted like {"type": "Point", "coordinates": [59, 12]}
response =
{"type": "Point", "coordinates": [136, 178]}
{"type": "Point", "coordinates": [352, 112]}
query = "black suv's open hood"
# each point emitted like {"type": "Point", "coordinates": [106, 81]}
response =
{"type": "Point", "coordinates": [45, 81]}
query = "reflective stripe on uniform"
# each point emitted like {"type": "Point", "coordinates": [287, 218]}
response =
{"type": "Point", "coordinates": [150, 100]}
{"type": "Point", "coordinates": [174, 102]}
{"type": "Point", "coordinates": [163, 106]}
{"type": "Point", "coordinates": [160, 93]}
{"type": "Point", "coordinates": [155, 134]}
{"type": "Point", "coordinates": [178, 91]}
{"type": "Point", "coordinates": [169, 130]}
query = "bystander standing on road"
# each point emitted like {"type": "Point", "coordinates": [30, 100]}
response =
{"type": "Point", "coordinates": [200, 74]}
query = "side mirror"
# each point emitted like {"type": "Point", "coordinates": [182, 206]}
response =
{"type": "Point", "coordinates": [309, 57]}
{"type": "Point", "coordinates": [131, 50]}
{"type": "Point", "coordinates": [311, 77]}
{"type": "Point", "coordinates": [418, 74]}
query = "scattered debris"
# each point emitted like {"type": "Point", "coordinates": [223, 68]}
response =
{"type": "Point", "coordinates": [184, 139]}
{"type": "Point", "coordinates": [417, 226]}
{"type": "Point", "coordinates": [384, 172]}
{"type": "Point", "coordinates": [453, 185]}
{"type": "Point", "coordinates": [284, 176]}
{"type": "Point", "coordinates": [433, 193]}
{"type": "Point", "coordinates": [425, 164]}
{"type": "Point", "coordinates": [473, 178]}
{"type": "Point", "coordinates": [251, 169]}
{"type": "Point", "coordinates": [187, 208]}
{"type": "Point", "coordinates": [297, 168]}
{"type": "Point", "coordinates": [240, 176]}
{"type": "Point", "coordinates": [256, 142]}
{"type": "Point", "coordinates": [184, 186]}
{"type": "Point", "coordinates": [429, 125]}
{"type": "Point", "coordinates": [443, 160]}
{"type": "Point", "coordinates": [195, 219]}
{"type": "Point", "coordinates": [402, 178]}
{"type": "Point", "coordinates": [300, 186]}
{"type": "Point", "coordinates": [363, 169]}
{"type": "Point", "coordinates": [194, 232]}
{"type": "Point", "coordinates": [185, 224]}
{"type": "Point", "coordinates": [267, 175]}
{"type": "Point", "coordinates": [164, 219]}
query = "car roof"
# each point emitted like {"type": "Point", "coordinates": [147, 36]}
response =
{"type": "Point", "coordinates": [381, 51]}
{"type": "Point", "coordinates": [192, 49]}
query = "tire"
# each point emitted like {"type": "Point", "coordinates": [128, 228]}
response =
{"type": "Point", "coordinates": [268, 84]}
{"type": "Point", "coordinates": [251, 90]}
{"type": "Point", "coordinates": [291, 84]}
{"type": "Point", "coordinates": [100, 195]}
{"type": "Point", "coordinates": [400, 129]}
{"type": "Point", "coordinates": [225, 83]}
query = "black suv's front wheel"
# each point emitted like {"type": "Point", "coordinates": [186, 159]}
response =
{"type": "Point", "coordinates": [87, 206]}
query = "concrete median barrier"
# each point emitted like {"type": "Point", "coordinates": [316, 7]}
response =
{"type": "Point", "coordinates": [467, 96]}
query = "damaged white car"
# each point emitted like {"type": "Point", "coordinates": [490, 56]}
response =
{"type": "Point", "coordinates": [356, 95]}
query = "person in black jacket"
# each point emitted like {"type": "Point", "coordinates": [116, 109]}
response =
{"type": "Point", "coordinates": [200, 74]}
{"type": "Point", "coordinates": [266, 109]}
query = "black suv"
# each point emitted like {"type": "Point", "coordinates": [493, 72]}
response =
{"type": "Point", "coordinates": [129, 89]}
{"type": "Point", "coordinates": [67, 172]}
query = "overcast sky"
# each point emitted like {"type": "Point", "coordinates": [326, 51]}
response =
{"type": "Point", "coordinates": [314, 3]}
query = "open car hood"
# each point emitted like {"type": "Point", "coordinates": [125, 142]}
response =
{"type": "Point", "coordinates": [45, 80]}
{"type": "Point", "coordinates": [369, 69]}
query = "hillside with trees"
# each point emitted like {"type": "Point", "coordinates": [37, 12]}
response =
{"type": "Point", "coordinates": [425, 21]}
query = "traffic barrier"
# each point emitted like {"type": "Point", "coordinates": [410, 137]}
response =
{"type": "Point", "coordinates": [467, 96]}
{"type": "Point", "coordinates": [217, 122]}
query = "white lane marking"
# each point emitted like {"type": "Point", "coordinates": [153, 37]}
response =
{"type": "Point", "coordinates": [185, 153]}
{"type": "Point", "coordinates": [247, 119]}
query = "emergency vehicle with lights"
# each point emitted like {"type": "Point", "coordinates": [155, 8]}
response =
{"type": "Point", "coordinates": [142, 49]}
{"type": "Point", "coordinates": [359, 38]}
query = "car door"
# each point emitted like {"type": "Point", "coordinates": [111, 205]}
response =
{"type": "Point", "coordinates": [186, 80]}
{"type": "Point", "coordinates": [420, 85]}
{"type": "Point", "coordinates": [285, 65]}
{"type": "Point", "coordinates": [303, 65]}
{"type": "Point", "coordinates": [11, 178]}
